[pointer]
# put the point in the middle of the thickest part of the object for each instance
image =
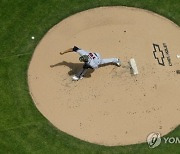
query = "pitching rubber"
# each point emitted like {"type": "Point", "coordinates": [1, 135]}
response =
{"type": "Point", "coordinates": [134, 66]}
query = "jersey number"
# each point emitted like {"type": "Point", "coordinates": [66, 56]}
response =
{"type": "Point", "coordinates": [91, 56]}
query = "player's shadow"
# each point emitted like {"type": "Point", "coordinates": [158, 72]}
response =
{"type": "Point", "coordinates": [74, 68]}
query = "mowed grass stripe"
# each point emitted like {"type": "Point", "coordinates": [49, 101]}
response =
{"type": "Point", "coordinates": [16, 107]}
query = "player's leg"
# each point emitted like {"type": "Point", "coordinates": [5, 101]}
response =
{"type": "Point", "coordinates": [80, 74]}
{"type": "Point", "coordinates": [110, 60]}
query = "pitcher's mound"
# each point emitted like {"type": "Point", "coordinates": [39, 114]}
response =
{"type": "Point", "coordinates": [110, 106]}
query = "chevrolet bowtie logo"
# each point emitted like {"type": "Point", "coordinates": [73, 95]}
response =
{"type": "Point", "coordinates": [158, 54]}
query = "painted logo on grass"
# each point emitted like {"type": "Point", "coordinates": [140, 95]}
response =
{"type": "Point", "coordinates": [154, 139]}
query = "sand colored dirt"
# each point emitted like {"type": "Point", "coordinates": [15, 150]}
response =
{"type": "Point", "coordinates": [109, 106]}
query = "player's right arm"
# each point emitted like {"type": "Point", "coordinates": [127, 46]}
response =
{"type": "Point", "coordinates": [66, 51]}
{"type": "Point", "coordinates": [75, 49]}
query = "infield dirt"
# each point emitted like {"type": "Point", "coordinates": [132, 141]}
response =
{"type": "Point", "coordinates": [110, 106]}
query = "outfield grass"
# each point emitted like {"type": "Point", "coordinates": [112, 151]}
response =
{"type": "Point", "coordinates": [22, 128]}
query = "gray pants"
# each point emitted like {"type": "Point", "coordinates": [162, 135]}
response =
{"type": "Point", "coordinates": [108, 61]}
{"type": "Point", "coordinates": [83, 71]}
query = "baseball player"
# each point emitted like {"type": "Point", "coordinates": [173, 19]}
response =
{"type": "Point", "coordinates": [91, 61]}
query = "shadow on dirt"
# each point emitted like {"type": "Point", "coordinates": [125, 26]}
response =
{"type": "Point", "coordinates": [74, 68]}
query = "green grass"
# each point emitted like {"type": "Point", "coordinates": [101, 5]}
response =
{"type": "Point", "coordinates": [22, 128]}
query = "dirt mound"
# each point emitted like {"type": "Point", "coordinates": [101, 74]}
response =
{"type": "Point", "coordinates": [110, 106]}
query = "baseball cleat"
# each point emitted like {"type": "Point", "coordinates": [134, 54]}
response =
{"type": "Point", "coordinates": [75, 78]}
{"type": "Point", "coordinates": [81, 78]}
{"type": "Point", "coordinates": [118, 63]}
